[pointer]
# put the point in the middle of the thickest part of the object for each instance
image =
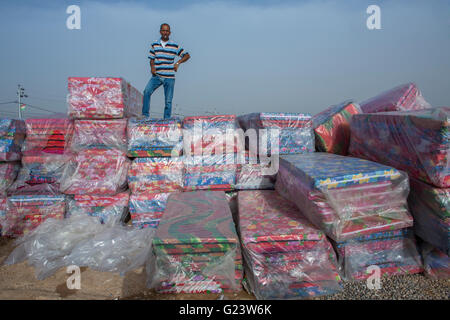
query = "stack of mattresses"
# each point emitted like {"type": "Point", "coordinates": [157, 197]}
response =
{"type": "Point", "coordinates": [213, 172]}
{"type": "Point", "coordinates": [147, 208]}
{"type": "Point", "coordinates": [436, 263]}
{"type": "Point", "coordinates": [157, 175]}
{"type": "Point", "coordinates": [255, 172]}
{"type": "Point", "coordinates": [96, 172]}
{"type": "Point", "coordinates": [403, 97]}
{"type": "Point", "coordinates": [107, 134]}
{"type": "Point", "coordinates": [332, 127]}
{"type": "Point", "coordinates": [430, 207]}
{"type": "Point", "coordinates": [110, 209]}
{"type": "Point", "coordinates": [196, 248]}
{"type": "Point", "coordinates": [343, 196]}
{"type": "Point", "coordinates": [3, 200]}
{"type": "Point", "coordinates": [8, 173]}
{"type": "Point", "coordinates": [12, 135]}
{"type": "Point", "coordinates": [154, 137]}
{"type": "Point", "coordinates": [413, 141]}
{"type": "Point", "coordinates": [292, 132]}
{"type": "Point", "coordinates": [394, 252]}
{"type": "Point", "coordinates": [102, 98]}
{"type": "Point", "coordinates": [285, 256]}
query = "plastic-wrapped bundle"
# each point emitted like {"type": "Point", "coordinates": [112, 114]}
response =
{"type": "Point", "coordinates": [3, 209]}
{"type": "Point", "coordinates": [109, 209]}
{"type": "Point", "coordinates": [29, 207]}
{"type": "Point", "coordinates": [214, 172]}
{"type": "Point", "coordinates": [343, 196]}
{"type": "Point", "coordinates": [47, 136]}
{"type": "Point", "coordinates": [41, 169]}
{"type": "Point", "coordinates": [12, 135]}
{"type": "Point", "coordinates": [394, 252]}
{"type": "Point", "coordinates": [414, 141]}
{"type": "Point", "coordinates": [430, 208]}
{"type": "Point", "coordinates": [250, 174]}
{"type": "Point", "coordinates": [332, 127]}
{"type": "Point", "coordinates": [436, 263]}
{"type": "Point", "coordinates": [403, 97]}
{"type": "Point", "coordinates": [295, 131]}
{"type": "Point", "coordinates": [157, 175]}
{"type": "Point", "coordinates": [211, 135]}
{"type": "Point", "coordinates": [146, 209]}
{"type": "Point", "coordinates": [154, 137]}
{"type": "Point", "coordinates": [109, 134]}
{"type": "Point", "coordinates": [102, 98]}
{"type": "Point", "coordinates": [196, 248]}
{"type": "Point", "coordinates": [8, 173]}
{"type": "Point", "coordinates": [285, 256]}
{"type": "Point", "coordinates": [96, 172]}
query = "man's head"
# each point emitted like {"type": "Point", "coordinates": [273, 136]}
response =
{"type": "Point", "coordinates": [165, 31]}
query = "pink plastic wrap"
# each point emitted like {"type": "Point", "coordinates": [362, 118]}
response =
{"type": "Point", "coordinates": [403, 97]}
{"type": "Point", "coordinates": [146, 209]}
{"type": "Point", "coordinates": [8, 173]}
{"type": "Point", "coordinates": [12, 135]}
{"type": "Point", "coordinates": [102, 98]}
{"type": "Point", "coordinates": [156, 175]}
{"type": "Point", "coordinates": [286, 257]}
{"type": "Point", "coordinates": [414, 141]}
{"type": "Point", "coordinates": [109, 134]}
{"type": "Point", "coordinates": [47, 136]}
{"type": "Point", "coordinates": [96, 172]}
{"type": "Point", "coordinates": [343, 196]}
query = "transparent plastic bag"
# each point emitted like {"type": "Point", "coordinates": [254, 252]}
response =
{"type": "Point", "coordinates": [202, 256]}
{"type": "Point", "coordinates": [251, 174]}
{"type": "Point", "coordinates": [394, 252]}
{"type": "Point", "coordinates": [332, 127]}
{"type": "Point", "coordinates": [403, 97]}
{"type": "Point", "coordinates": [413, 141]}
{"type": "Point", "coordinates": [146, 209]}
{"type": "Point", "coordinates": [154, 137]}
{"type": "Point", "coordinates": [8, 174]}
{"type": "Point", "coordinates": [108, 134]}
{"type": "Point", "coordinates": [286, 257]}
{"type": "Point", "coordinates": [436, 263]}
{"type": "Point", "coordinates": [293, 131]}
{"type": "Point", "coordinates": [96, 172]}
{"type": "Point", "coordinates": [12, 136]}
{"type": "Point", "coordinates": [343, 196]}
{"type": "Point", "coordinates": [102, 98]}
{"type": "Point", "coordinates": [157, 175]}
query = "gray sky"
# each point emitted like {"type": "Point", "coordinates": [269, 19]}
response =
{"type": "Point", "coordinates": [246, 56]}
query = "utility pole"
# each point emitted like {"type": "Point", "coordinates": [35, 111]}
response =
{"type": "Point", "coordinates": [20, 94]}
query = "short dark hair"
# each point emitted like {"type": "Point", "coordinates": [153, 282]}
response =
{"type": "Point", "coordinates": [164, 24]}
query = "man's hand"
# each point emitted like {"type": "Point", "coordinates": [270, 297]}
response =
{"type": "Point", "coordinates": [153, 70]}
{"type": "Point", "coordinates": [175, 66]}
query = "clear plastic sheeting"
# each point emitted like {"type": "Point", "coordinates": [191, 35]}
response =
{"type": "Point", "coordinates": [430, 207]}
{"type": "Point", "coordinates": [403, 97]}
{"type": "Point", "coordinates": [47, 136]}
{"type": "Point", "coordinates": [414, 141]}
{"type": "Point", "coordinates": [332, 127]}
{"type": "Point", "coordinates": [285, 256]}
{"type": "Point", "coordinates": [157, 175]}
{"type": "Point", "coordinates": [102, 98]}
{"type": "Point", "coordinates": [12, 135]}
{"type": "Point", "coordinates": [436, 263]}
{"type": "Point", "coordinates": [109, 134]}
{"type": "Point", "coordinates": [251, 174]}
{"type": "Point", "coordinates": [292, 132]}
{"type": "Point", "coordinates": [154, 137]}
{"type": "Point", "coordinates": [3, 208]}
{"type": "Point", "coordinates": [214, 172]}
{"type": "Point", "coordinates": [393, 252]}
{"type": "Point", "coordinates": [110, 210]}
{"type": "Point", "coordinates": [8, 173]}
{"type": "Point", "coordinates": [206, 135]}
{"type": "Point", "coordinates": [29, 207]}
{"type": "Point", "coordinates": [343, 196]}
{"type": "Point", "coordinates": [196, 248]}
{"type": "Point", "coordinates": [96, 172]}
{"type": "Point", "coordinates": [146, 209]}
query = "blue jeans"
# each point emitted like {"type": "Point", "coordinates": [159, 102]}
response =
{"type": "Point", "coordinates": [154, 83]}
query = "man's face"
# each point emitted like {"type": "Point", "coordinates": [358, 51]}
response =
{"type": "Point", "coordinates": [165, 32]}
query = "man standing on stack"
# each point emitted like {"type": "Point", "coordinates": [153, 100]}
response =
{"type": "Point", "coordinates": [162, 55]}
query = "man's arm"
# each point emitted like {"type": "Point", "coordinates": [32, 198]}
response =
{"type": "Point", "coordinates": [152, 66]}
{"type": "Point", "coordinates": [182, 60]}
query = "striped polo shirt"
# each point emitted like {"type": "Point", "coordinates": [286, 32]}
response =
{"type": "Point", "coordinates": [165, 57]}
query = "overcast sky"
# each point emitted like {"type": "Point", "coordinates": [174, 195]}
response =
{"type": "Point", "coordinates": [246, 56]}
